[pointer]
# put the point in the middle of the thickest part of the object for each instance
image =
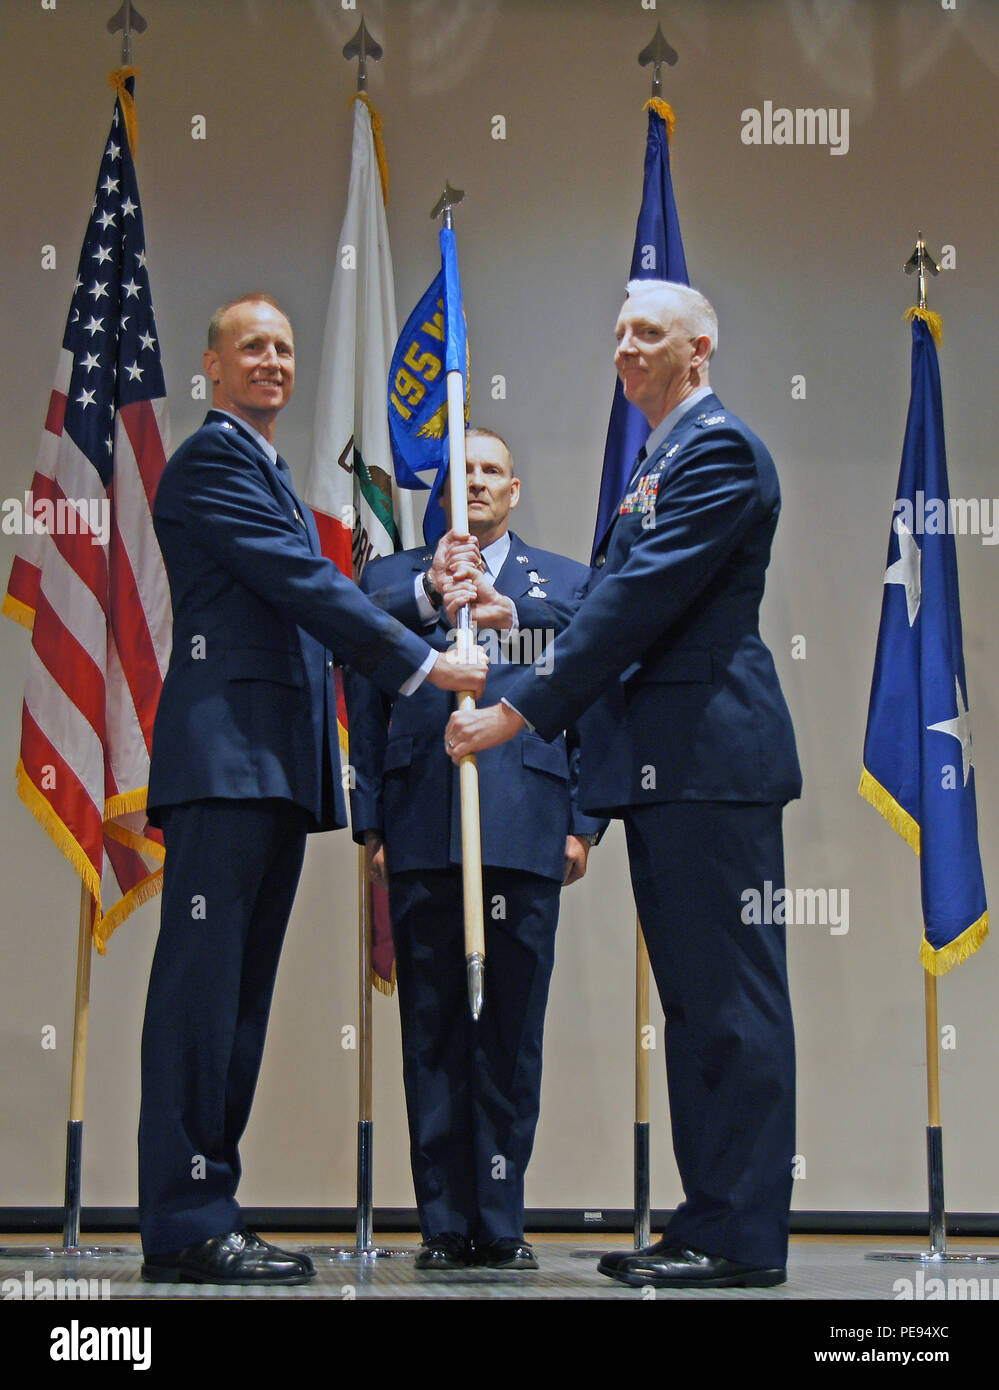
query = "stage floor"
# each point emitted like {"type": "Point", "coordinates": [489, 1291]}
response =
{"type": "Point", "coordinates": [819, 1268]}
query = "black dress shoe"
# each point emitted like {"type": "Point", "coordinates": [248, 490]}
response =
{"type": "Point", "coordinates": [444, 1251]}
{"type": "Point", "coordinates": [614, 1258]}
{"type": "Point", "coordinates": [236, 1258]}
{"type": "Point", "coordinates": [669, 1267]}
{"type": "Point", "coordinates": [511, 1252]}
{"type": "Point", "coordinates": [258, 1243]}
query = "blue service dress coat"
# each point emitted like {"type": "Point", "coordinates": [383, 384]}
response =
{"type": "Point", "coordinates": [687, 737]}
{"type": "Point", "coordinates": [244, 763]}
{"type": "Point", "coordinates": [472, 1089]}
{"type": "Point", "coordinates": [258, 616]}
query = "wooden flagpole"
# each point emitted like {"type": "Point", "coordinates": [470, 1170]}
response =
{"type": "Point", "coordinates": [471, 839]}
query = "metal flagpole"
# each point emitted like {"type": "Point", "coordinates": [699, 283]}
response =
{"type": "Point", "coordinates": [471, 838]}
{"type": "Point", "coordinates": [127, 19]}
{"type": "Point", "coordinates": [643, 1185]}
{"type": "Point", "coordinates": [74, 1126]}
{"type": "Point", "coordinates": [657, 52]}
{"type": "Point", "coordinates": [362, 47]}
{"type": "Point", "coordinates": [920, 263]}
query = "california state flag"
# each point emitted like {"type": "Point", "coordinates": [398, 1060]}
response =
{"type": "Point", "coordinates": [351, 488]}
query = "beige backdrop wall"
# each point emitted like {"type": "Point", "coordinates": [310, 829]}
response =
{"type": "Point", "coordinates": [801, 251]}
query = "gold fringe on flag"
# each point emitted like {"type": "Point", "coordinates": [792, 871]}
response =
{"type": "Point", "coordinates": [57, 830]}
{"type": "Point", "coordinates": [134, 898]}
{"type": "Point", "coordinates": [663, 109]}
{"type": "Point", "coordinates": [937, 962]}
{"type": "Point", "coordinates": [384, 986]}
{"type": "Point", "coordinates": [125, 803]}
{"type": "Point", "coordinates": [132, 839]}
{"type": "Point", "coordinates": [933, 322]}
{"type": "Point", "coordinates": [376, 131]}
{"type": "Point", "coordinates": [116, 80]}
{"type": "Point", "coordinates": [896, 816]}
{"type": "Point", "coordinates": [66, 841]}
{"type": "Point", "coordinates": [18, 612]}
{"type": "Point", "coordinates": [963, 946]}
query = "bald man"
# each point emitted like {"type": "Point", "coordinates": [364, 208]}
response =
{"type": "Point", "coordinates": [690, 742]}
{"type": "Point", "coordinates": [473, 1089]}
{"type": "Point", "coordinates": [245, 762]}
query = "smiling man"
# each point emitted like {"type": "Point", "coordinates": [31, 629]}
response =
{"type": "Point", "coordinates": [472, 1088]}
{"type": "Point", "coordinates": [690, 742]}
{"type": "Point", "coordinates": [245, 762]}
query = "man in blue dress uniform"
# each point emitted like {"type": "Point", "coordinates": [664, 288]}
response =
{"type": "Point", "coordinates": [687, 738]}
{"type": "Point", "coordinates": [244, 764]}
{"type": "Point", "coordinates": [472, 1087]}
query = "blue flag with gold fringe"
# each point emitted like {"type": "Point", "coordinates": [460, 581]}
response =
{"type": "Point", "coordinates": [432, 343]}
{"type": "Point", "coordinates": [658, 255]}
{"type": "Point", "coordinates": [918, 766]}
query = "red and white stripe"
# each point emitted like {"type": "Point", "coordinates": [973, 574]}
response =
{"type": "Point", "coordinates": [100, 619]}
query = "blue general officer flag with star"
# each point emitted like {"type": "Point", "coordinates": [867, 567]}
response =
{"type": "Point", "coordinates": [918, 765]}
{"type": "Point", "coordinates": [657, 255]}
{"type": "Point", "coordinates": [432, 343]}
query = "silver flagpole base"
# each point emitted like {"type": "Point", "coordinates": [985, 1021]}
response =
{"type": "Point", "coordinates": [363, 1249]}
{"type": "Point", "coordinates": [938, 1253]}
{"type": "Point", "coordinates": [71, 1247]}
{"type": "Point", "coordinates": [643, 1209]}
{"type": "Point", "coordinates": [476, 969]}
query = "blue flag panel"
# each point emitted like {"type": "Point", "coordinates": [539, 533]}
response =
{"type": "Point", "coordinates": [658, 255]}
{"type": "Point", "coordinates": [918, 763]}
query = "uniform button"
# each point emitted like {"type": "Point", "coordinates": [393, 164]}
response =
{"type": "Point", "coordinates": [329, 666]}
{"type": "Point", "coordinates": [600, 561]}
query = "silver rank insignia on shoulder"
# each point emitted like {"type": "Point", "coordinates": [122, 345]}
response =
{"type": "Point", "coordinates": [523, 559]}
{"type": "Point", "coordinates": [227, 424]}
{"type": "Point", "coordinates": [535, 592]}
{"type": "Point", "coordinates": [536, 578]}
{"type": "Point", "coordinates": [670, 452]}
{"type": "Point", "coordinates": [703, 421]}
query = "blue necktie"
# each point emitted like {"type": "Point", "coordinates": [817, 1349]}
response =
{"type": "Point", "coordinates": [642, 456]}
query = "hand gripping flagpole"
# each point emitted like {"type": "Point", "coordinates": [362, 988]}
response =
{"type": "Point", "coordinates": [921, 263]}
{"type": "Point", "coordinates": [468, 771]}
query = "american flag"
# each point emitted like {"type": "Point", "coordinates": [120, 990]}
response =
{"type": "Point", "coordinates": [89, 580]}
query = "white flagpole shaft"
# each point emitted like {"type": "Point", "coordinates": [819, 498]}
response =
{"type": "Point", "coordinates": [471, 840]}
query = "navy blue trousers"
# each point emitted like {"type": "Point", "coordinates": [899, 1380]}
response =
{"type": "Point", "coordinates": [472, 1088]}
{"type": "Point", "coordinates": [729, 1035]}
{"type": "Point", "coordinates": [229, 881]}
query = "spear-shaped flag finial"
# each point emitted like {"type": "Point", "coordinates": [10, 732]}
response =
{"type": "Point", "coordinates": [130, 22]}
{"type": "Point", "coordinates": [918, 264]}
{"type": "Point", "coordinates": [362, 47]}
{"type": "Point", "coordinates": [449, 199]}
{"type": "Point", "coordinates": [658, 52]}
